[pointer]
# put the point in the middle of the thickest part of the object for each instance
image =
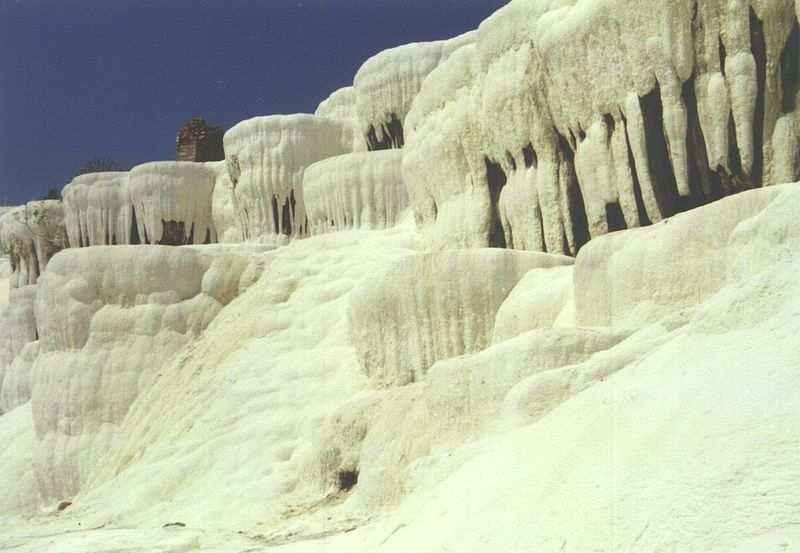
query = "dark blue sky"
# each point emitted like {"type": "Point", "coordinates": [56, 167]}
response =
{"type": "Point", "coordinates": [81, 79]}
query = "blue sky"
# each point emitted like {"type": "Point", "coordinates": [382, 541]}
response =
{"type": "Point", "coordinates": [81, 79]}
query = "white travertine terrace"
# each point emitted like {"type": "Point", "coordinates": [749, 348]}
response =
{"type": "Point", "coordinates": [433, 306]}
{"type": "Point", "coordinates": [224, 212]}
{"type": "Point", "coordinates": [534, 139]}
{"type": "Point", "coordinates": [359, 190]}
{"type": "Point", "coordinates": [98, 209]}
{"type": "Point", "coordinates": [30, 235]}
{"type": "Point", "coordinates": [172, 201]}
{"type": "Point", "coordinates": [266, 158]}
{"type": "Point", "coordinates": [18, 325]}
{"type": "Point", "coordinates": [341, 105]}
{"type": "Point", "coordinates": [542, 299]}
{"type": "Point", "coordinates": [105, 333]}
{"type": "Point", "coordinates": [387, 83]}
{"type": "Point", "coordinates": [378, 390]}
{"type": "Point", "coordinates": [627, 280]}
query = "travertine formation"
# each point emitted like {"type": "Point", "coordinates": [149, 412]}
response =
{"type": "Point", "coordinates": [433, 306]}
{"type": "Point", "coordinates": [172, 201]}
{"type": "Point", "coordinates": [19, 330]}
{"type": "Point", "coordinates": [30, 235]}
{"type": "Point", "coordinates": [104, 334]}
{"type": "Point", "coordinates": [358, 190]}
{"type": "Point", "coordinates": [386, 85]}
{"type": "Point", "coordinates": [382, 389]}
{"type": "Point", "coordinates": [266, 158]}
{"type": "Point", "coordinates": [98, 210]}
{"type": "Point", "coordinates": [566, 122]}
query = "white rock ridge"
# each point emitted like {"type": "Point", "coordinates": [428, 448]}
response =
{"type": "Point", "coordinates": [30, 235]}
{"type": "Point", "coordinates": [266, 159]}
{"type": "Point", "coordinates": [433, 306]}
{"type": "Point", "coordinates": [567, 121]}
{"type": "Point", "coordinates": [104, 333]}
{"type": "Point", "coordinates": [341, 104]}
{"type": "Point", "coordinates": [98, 210]}
{"type": "Point", "coordinates": [387, 83]}
{"type": "Point", "coordinates": [172, 202]}
{"type": "Point", "coordinates": [359, 190]}
{"type": "Point", "coordinates": [18, 322]}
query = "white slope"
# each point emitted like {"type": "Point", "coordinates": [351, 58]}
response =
{"type": "Point", "coordinates": [680, 435]}
{"type": "Point", "coordinates": [433, 306]}
{"type": "Point", "coordinates": [18, 322]}
{"type": "Point", "coordinates": [103, 335]}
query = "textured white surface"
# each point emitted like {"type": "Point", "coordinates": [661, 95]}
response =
{"type": "Point", "coordinates": [29, 236]}
{"type": "Point", "coordinates": [387, 83]}
{"type": "Point", "coordinates": [535, 302]}
{"type": "Point", "coordinates": [341, 104]}
{"type": "Point", "coordinates": [359, 190]}
{"type": "Point", "coordinates": [98, 210]}
{"type": "Point", "coordinates": [637, 277]}
{"type": "Point", "coordinates": [102, 333]}
{"type": "Point", "coordinates": [433, 306]}
{"type": "Point", "coordinates": [266, 158]}
{"type": "Point", "coordinates": [567, 99]}
{"type": "Point", "coordinates": [644, 399]}
{"type": "Point", "coordinates": [224, 212]}
{"type": "Point", "coordinates": [18, 324]}
{"type": "Point", "coordinates": [173, 191]}
{"type": "Point", "coordinates": [249, 427]}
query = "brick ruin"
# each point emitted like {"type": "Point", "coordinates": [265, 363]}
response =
{"type": "Point", "coordinates": [197, 141]}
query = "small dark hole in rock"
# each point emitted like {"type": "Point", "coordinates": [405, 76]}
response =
{"type": "Point", "coordinates": [347, 479]}
{"type": "Point", "coordinates": [63, 505]}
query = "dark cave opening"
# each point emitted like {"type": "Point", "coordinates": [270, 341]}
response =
{"type": "Point", "coordinates": [496, 179]}
{"type": "Point", "coordinates": [347, 479]}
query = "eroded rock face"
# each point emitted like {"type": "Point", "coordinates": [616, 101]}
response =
{"type": "Point", "coordinates": [266, 159]}
{"type": "Point", "coordinates": [30, 235]}
{"type": "Point", "coordinates": [18, 322]}
{"type": "Point", "coordinates": [567, 122]}
{"type": "Point", "coordinates": [172, 202]}
{"type": "Point", "coordinates": [433, 306]}
{"type": "Point", "coordinates": [637, 277]}
{"type": "Point", "coordinates": [387, 83]}
{"type": "Point", "coordinates": [224, 212]}
{"type": "Point", "coordinates": [359, 190]}
{"type": "Point", "coordinates": [104, 335]}
{"type": "Point", "coordinates": [341, 105]}
{"type": "Point", "coordinates": [98, 210]}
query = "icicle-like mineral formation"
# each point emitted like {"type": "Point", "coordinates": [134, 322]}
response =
{"type": "Point", "coordinates": [172, 202]}
{"type": "Point", "coordinates": [387, 83]}
{"type": "Point", "coordinates": [30, 235]}
{"type": "Point", "coordinates": [266, 159]}
{"type": "Point", "coordinates": [359, 190]}
{"type": "Point", "coordinates": [433, 306]}
{"type": "Point", "coordinates": [567, 121]}
{"type": "Point", "coordinates": [104, 334]}
{"type": "Point", "coordinates": [98, 210]}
